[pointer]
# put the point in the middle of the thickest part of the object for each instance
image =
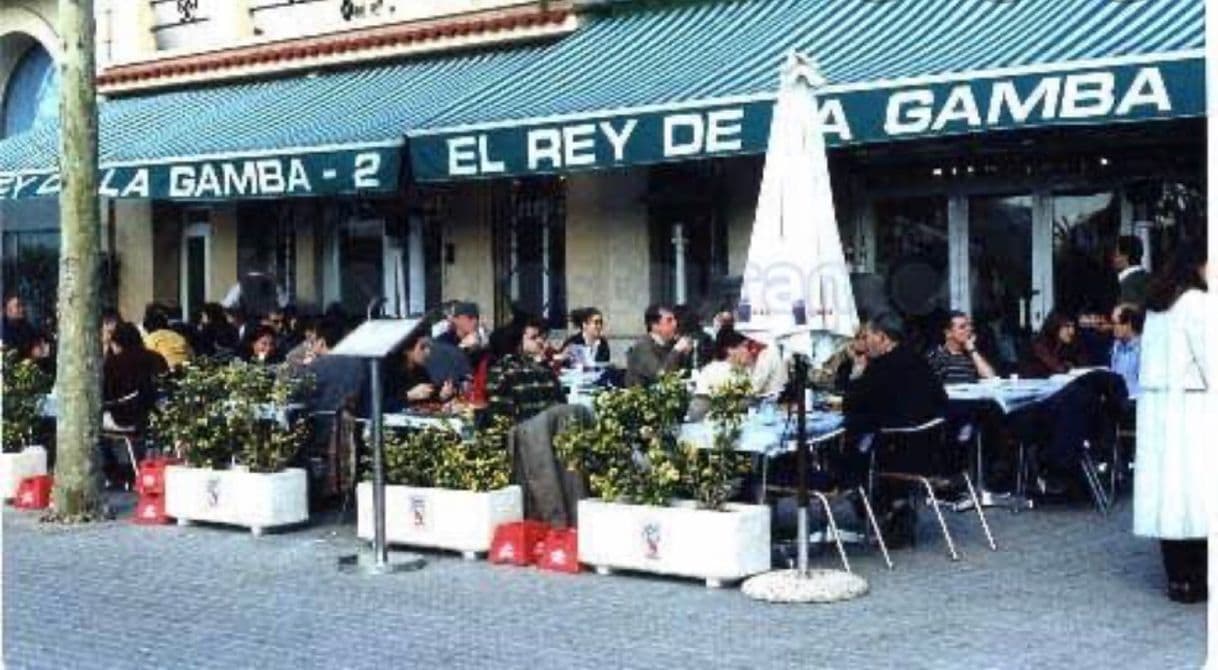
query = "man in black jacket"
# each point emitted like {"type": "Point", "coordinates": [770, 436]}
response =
{"type": "Point", "coordinates": [891, 386]}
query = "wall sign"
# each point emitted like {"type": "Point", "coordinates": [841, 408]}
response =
{"type": "Point", "coordinates": [1121, 93]}
{"type": "Point", "coordinates": [354, 171]}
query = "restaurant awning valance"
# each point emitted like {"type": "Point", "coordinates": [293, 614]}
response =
{"type": "Point", "coordinates": [326, 133]}
{"type": "Point", "coordinates": [669, 81]}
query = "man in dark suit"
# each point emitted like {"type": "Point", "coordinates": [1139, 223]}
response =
{"type": "Point", "coordinates": [1127, 262]}
{"type": "Point", "coordinates": [659, 351]}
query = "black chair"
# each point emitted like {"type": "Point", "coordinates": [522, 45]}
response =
{"type": "Point", "coordinates": [894, 454]}
{"type": "Point", "coordinates": [825, 493]}
{"type": "Point", "coordinates": [128, 435]}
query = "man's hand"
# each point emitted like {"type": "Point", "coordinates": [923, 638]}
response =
{"type": "Point", "coordinates": [423, 391]}
{"type": "Point", "coordinates": [684, 345]}
{"type": "Point", "coordinates": [471, 340]}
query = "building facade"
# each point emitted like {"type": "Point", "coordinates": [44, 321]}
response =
{"type": "Point", "coordinates": [554, 155]}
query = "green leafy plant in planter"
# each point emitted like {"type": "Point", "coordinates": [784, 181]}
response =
{"type": "Point", "coordinates": [263, 443]}
{"type": "Point", "coordinates": [630, 452]}
{"type": "Point", "coordinates": [24, 386]}
{"type": "Point", "coordinates": [478, 464]}
{"type": "Point", "coordinates": [440, 457]}
{"type": "Point", "coordinates": [216, 415]}
{"type": "Point", "coordinates": [710, 475]}
{"type": "Point", "coordinates": [192, 422]}
{"type": "Point", "coordinates": [411, 456]}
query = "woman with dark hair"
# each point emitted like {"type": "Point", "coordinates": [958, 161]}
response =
{"type": "Point", "coordinates": [129, 377]}
{"type": "Point", "coordinates": [1172, 480]}
{"type": "Point", "coordinates": [216, 336]}
{"type": "Point", "coordinates": [261, 347]}
{"type": "Point", "coordinates": [1056, 348]}
{"type": "Point", "coordinates": [414, 385]}
{"type": "Point", "coordinates": [590, 340]}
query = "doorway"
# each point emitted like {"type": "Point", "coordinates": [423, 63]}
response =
{"type": "Point", "coordinates": [196, 261]}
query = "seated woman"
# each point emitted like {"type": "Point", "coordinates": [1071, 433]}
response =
{"type": "Point", "coordinates": [262, 348]}
{"type": "Point", "coordinates": [1056, 348]}
{"type": "Point", "coordinates": [733, 357]}
{"type": "Point", "coordinates": [129, 378]}
{"type": "Point", "coordinates": [415, 386]}
{"type": "Point", "coordinates": [587, 346]}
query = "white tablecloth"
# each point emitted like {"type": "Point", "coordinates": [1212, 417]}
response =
{"type": "Point", "coordinates": [1011, 395]}
{"type": "Point", "coordinates": [419, 421]}
{"type": "Point", "coordinates": [762, 437]}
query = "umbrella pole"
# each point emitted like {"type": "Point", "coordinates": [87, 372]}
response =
{"type": "Point", "coordinates": [801, 461]}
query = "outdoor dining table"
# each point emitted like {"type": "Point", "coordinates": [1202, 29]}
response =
{"type": "Point", "coordinates": [1008, 396]}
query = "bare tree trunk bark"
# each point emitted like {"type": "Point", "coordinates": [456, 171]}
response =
{"type": "Point", "coordinates": [78, 377]}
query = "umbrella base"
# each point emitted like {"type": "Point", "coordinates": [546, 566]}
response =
{"type": "Point", "coordinates": [366, 564]}
{"type": "Point", "coordinates": [816, 586]}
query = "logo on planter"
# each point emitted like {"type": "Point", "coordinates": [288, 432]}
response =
{"type": "Point", "coordinates": [213, 492]}
{"type": "Point", "coordinates": [651, 540]}
{"type": "Point", "coordinates": [418, 511]}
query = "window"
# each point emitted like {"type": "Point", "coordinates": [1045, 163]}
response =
{"type": "Point", "coordinates": [32, 93]}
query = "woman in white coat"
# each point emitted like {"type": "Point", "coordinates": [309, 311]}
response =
{"type": "Point", "coordinates": [1170, 480]}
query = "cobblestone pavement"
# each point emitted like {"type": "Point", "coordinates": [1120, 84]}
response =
{"type": "Point", "coordinates": [1068, 589]}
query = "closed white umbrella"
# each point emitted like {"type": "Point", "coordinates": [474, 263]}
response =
{"type": "Point", "coordinates": [796, 282]}
{"type": "Point", "coordinates": [796, 293]}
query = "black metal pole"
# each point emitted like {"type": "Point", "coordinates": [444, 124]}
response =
{"type": "Point", "coordinates": [378, 470]}
{"type": "Point", "coordinates": [801, 459]}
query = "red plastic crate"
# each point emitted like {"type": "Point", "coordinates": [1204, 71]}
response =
{"type": "Point", "coordinates": [560, 552]}
{"type": "Point", "coordinates": [34, 492]}
{"type": "Point", "coordinates": [518, 543]}
{"type": "Point", "coordinates": [150, 511]}
{"type": "Point", "coordinates": [152, 475]}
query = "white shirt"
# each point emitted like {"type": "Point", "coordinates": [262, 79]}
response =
{"type": "Point", "coordinates": [1128, 271]}
{"type": "Point", "coordinates": [715, 374]}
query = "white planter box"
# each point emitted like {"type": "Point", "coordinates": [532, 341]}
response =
{"type": "Point", "coordinates": [463, 521]}
{"type": "Point", "coordinates": [677, 540]}
{"type": "Point", "coordinates": [30, 462]}
{"type": "Point", "coordinates": [238, 497]}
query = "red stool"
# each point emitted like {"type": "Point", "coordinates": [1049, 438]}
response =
{"type": "Point", "coordinates": [150, 511]}
{"type": "Point", "coordinates": [518, 543]}
{"type": "Point", "coordinates": [34, 492]}
{"type": "Point", "coordinates": [560, 553]}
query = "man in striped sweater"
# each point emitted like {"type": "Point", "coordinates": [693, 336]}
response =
{"type": "Point", "coordinates": [957, 360]}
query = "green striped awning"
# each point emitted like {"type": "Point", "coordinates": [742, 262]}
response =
{"type": "Point", "coordinates": [666, 81]}
{"type": "Point", "coordinates": [333, 132]}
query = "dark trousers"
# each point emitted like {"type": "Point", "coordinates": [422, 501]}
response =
{"type": "Point", "coordinates": [1185, 560]}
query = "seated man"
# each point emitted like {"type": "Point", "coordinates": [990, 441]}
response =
{"type": "Point", "coordinates": [891, 387]}
{"type": "Point", "coordinates": [162, 339]}
{"type": "Point", "coordinates": [660, 350]}
{"type": "Point", "coordinates": [1127, 345]}
{"type": "Point", "coordinates": [458, 350]}
{"type": "Point", "coordinates": [957, 360]}
{"type": "Point", "coordinates": [518, 385]}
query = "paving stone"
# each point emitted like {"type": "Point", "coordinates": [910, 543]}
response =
{"type": "Point", "coordinates": [1067, 588]}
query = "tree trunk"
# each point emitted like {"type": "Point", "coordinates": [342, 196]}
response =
{"type": "Point", "coordinates": [78, 378]}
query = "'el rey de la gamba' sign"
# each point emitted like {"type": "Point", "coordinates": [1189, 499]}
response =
{"type": "Point", "coordinates": [860, 115]}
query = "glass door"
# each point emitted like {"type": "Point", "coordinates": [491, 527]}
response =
{"type": "Point", "coordinates": [196, 263]}
{"type": "Point", "coordinates": [1005, 297]}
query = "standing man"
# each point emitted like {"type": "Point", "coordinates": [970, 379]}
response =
{"type": "Point", "coordinates": [1127, 261]}
{"type": "Point", "coordinates": [957, 360]}
{"type": "Point", "coordinates": [656, 352]}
